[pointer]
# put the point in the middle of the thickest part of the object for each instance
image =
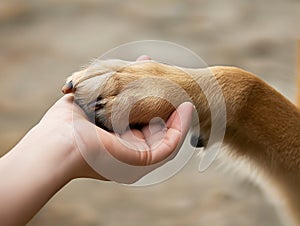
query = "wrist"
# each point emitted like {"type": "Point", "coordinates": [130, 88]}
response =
{"type": "Point", "coordinates": [40, 167]}
{"type": "Point", "coordinates": [50, 150]}
{"type": "Point", "coordinates": [62, 151]}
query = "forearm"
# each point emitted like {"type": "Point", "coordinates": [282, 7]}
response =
{"type": "Point", "coordinates": [31, 173]}
{"type": "Point", "coordinates": [48, 157]}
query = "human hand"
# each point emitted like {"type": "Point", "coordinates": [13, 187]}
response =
{"type": "Point", "coordinates": [149, 146]}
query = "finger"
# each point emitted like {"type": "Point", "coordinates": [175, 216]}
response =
{"type": "Point", "coordinates": [156, 139]}
{"type": "Point", "coordinates": [124, 151]}
{"type": "Point", "coordinates": [65, 103]}
{"type": "Point", "coordinates": [178, 126]}
{"type": "Point", "coordinates": [184, 111]}
{"type": "Point", "coordinates": [155, 125]}
{"type": "Point", "coordinates": [174, 136]}
{"type": "Point", "coordinates": [143, 57]}
{"type": "Point", "coordinates": [65, 99]}
{"type": "Point", "coordinates": [133, 135]}
{"type": "Point", "coordinates": [135, 138]}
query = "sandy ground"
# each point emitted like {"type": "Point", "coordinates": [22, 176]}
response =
{"type": "Point", "coordinates": [42, 42]}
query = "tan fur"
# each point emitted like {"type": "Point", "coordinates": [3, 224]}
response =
{"type": "Point", "coordinates": [262, 125]}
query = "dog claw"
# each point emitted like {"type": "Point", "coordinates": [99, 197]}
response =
{"type": "Point", "coordinates": [197, 141]}
{"type": "Point", "coordinates": [68, 88]}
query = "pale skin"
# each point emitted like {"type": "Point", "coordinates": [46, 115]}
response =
{"type": "Point", "coordinates": [47, 157]}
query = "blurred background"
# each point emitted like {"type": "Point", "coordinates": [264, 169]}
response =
{"type": "Point", "coordinates": [42, 42]}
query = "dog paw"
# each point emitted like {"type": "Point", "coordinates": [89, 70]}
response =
{"type": "Point", "coordinates": [117, 94]}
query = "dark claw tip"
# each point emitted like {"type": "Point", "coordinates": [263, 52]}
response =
{"type": "Point", "coordinates": [197, 141]}
{"type": "Point", "coordinates": [67, 88]}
